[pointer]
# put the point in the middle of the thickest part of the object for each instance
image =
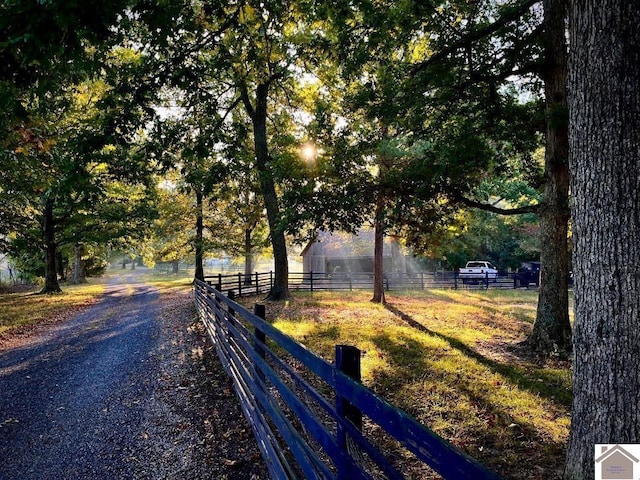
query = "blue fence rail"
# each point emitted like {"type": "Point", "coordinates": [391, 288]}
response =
{"type": "Point", "coordinates": [261, 282]}
{"type": "Point", "coordinates": [313, 420]}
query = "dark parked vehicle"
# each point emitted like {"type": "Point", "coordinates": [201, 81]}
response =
{"type": "Point", "coordinates": [528, 273]}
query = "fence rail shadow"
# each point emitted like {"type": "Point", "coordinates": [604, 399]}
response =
{"type": "Point", "coordinates": [314, 419]}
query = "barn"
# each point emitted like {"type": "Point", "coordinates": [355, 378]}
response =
{"type": "Point", "coordinates": [340, 252]}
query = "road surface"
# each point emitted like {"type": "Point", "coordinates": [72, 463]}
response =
{"type": "Point", "coordinates": [93, 398]}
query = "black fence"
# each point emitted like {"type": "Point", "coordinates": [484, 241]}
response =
{"type": "Point", "coordinates": [314, 419]}
{"type": "Point", "coordinates": [258, 283]}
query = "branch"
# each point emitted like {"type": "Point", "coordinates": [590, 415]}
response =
{"type": "Point", "coordinates": [458, 197]}
{"type": "Point", "coordinates": [244, 96]}
{"type": "Point", "coordinates": [514, 14]}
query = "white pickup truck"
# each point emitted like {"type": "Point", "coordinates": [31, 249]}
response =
{"type": "Point", "coordinates": [478, 271]}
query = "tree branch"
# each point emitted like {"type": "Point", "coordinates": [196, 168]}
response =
{"type": "Point", "coordinates": [514, 14]}
{"type": "Point", "coordinates": [458, 197]}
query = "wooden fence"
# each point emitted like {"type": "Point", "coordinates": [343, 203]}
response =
{"type": "Point", "coordinates": [314, 419]}
{"type": "Point", "coordinates": [258, 283]}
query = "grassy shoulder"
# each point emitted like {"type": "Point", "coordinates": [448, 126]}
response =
{"type": "Point", "coordinates": [24, 310]}
{"type": "Point", "coordinates": [453, 360]}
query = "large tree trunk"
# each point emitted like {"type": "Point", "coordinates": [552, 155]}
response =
{"type": "Point", "coordinates": [280, 289]}
{"type": "Point", "coordinates": [552, 329]}
{"type": "Point", "coordinates": [378, 251]}
{"type": "Point", "coordinates": [51, 284]}
{"type": "Point", "coordinates": [199, 246]}
{"type": "Point", "coordinates": [605, 141]}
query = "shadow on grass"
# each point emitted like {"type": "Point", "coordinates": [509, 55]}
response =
{"type": "Point", "coordinates": [495, 437]}
{"type": "Point", "coordinates": [539, 381]}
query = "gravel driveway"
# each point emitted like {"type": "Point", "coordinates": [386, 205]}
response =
{"type": "Point", "coordinates": [128, 389]}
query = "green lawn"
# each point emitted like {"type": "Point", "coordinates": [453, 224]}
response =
{"type": "Point", "coordinates": [27, 309]}
{"type": "Point", "coordinates": [452, 360]}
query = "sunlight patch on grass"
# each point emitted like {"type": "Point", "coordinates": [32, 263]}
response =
{"type": "Point", "coordinates": [26, 309]}
{"type": "Point", "coordinates": [429, 353]}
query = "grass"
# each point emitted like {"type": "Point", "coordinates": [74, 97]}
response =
{"type": "Point", "coordinates": [19, 311]}
{"type": "Point", "coordinates": [24, 310]}
{"type": "Point", "coordinates": [152, 277]}
{"type": "Point", "coordinates": [452, 360]}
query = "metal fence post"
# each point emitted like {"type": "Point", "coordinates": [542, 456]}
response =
{"type": "Point", "coordinates": [348, 362]}
{"type": "Point", "coordinates": [311, 281]}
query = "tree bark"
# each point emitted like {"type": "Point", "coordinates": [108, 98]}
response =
{"type": "Point", "coordinates": [199, 246]}
{"type": "Point", "coordinates": [552, 329]}
{"type": "Point", "coordinates": [604, 106]}
{"type": "Point", "coordinates": [378, 251]}
{"type": "Point", "coordinates": [51, 284]}
{"type": "Point", "coordinates": [280, 290]}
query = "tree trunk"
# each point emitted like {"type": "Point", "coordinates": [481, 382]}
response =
{"type": "Point", "coordinates": [378, 252]}
{"type": "Point", "coordinates": [199, 246]}
{"type": "Point", "coordinates": [79, 275]}
{"type": "Point", "coordinates": [51, 284]}
{"type": "Point", "coordinates": [133, 263]}
{"type": "Point", "coordinates": [280, 290]}
{"type": "Point", "coordinates": [552, 329]}
{"type": "Point", "coordinates": [605, 141]}
{"type": "Point", "coordinates": [248, 256]}
{"type": "Point", "coordinates": [175, 266]}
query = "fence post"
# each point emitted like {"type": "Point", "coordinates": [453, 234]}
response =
{"type": "Point", "coordinates": [257, 286]}
{"type": "Point", "coordinates": [350, 282]}
{"type": "Point", "coordinates": [270, 280]}
{"type": "Point", "coordinates": [515, 279]}
{"type": "Point", "coordinates": [422, 280]}
{"type": "Point", "coordinates": [310, 280]}
{"type": "Point", "coordinates": [486, 280]}
{"type": "Point", "coordinates": [348, 362]}
{"type": "Point", "coordinates": [260, 311]}
{"type": "Point", "coordinates": [239, 284]}
{"type": "Point", "coordinates": [386, 282]}
{"type": "Point", "coordinates": [231, 295]}
{"type": "Point", "coordinates": [219, 283]}
{"type": "Point", "coordinates": [455, 280]}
